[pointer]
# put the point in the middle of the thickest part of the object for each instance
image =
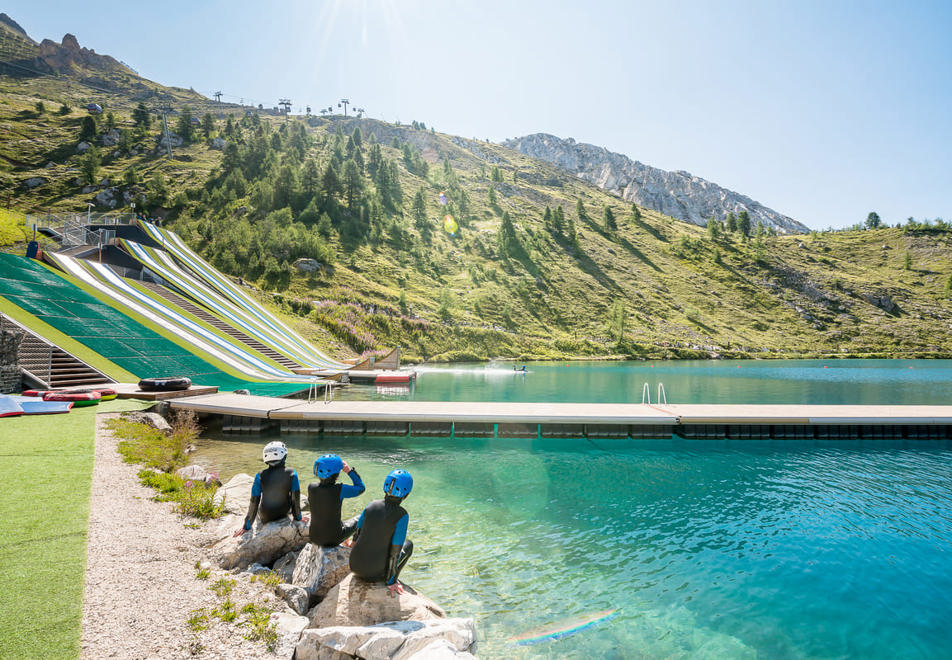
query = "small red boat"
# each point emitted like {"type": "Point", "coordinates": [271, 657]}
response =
{"type": "Point", "coordinates": [396, 377]}
{"type": "Point", "coordinates": [78, 399]}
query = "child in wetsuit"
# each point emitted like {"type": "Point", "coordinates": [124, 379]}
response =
{"type": "Point", "coordinates": [325, 499]}
{"type": "Point", "coordinates": [276, 489]}
{"type": "Point", "coordinates": [381, 548]}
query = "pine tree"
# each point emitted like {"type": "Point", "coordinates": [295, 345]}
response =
{"type": "Point", "coordinates": [418, 209]}
{"type": "Point", "coordinates": [330, 182]}
{"type": "Point", "coordinates": [89, 165]}
{"type": "Point", "coordinates": [713, 229]}
{"type": "Point", "coordinates": [547, 218]}
{"type": "Point", "coordinates": [873, 220]}
{"type": "Point", "coordinates": [580, 210]}
{"type": "Point", "coordinates": [141, 117]}
{"type": "Point", "coordinates": [636, 214]}
{"type": "Point", "coordinates": [496, 175]}
{"type": "Point", "coordinates": [743, 223]}
{"type": "Point", "coordinates": [208, 124]}
{"type": "Point", "coordinates": [310, 177]}
{"type": "Point", "coordinates": [608, 219]}
{"type": "Point", "coordinates": [87, 129]}
{"type": "Point", "coordinates": [507, 235]}
{"type": "Point", "coordinates": [353, 182]}
{"type": "Point", "coordinates": [731, 222]}
{"type": "Point", "coordinates": [184, 126]}
{"type": "Point", "coordinates": [558, 219]}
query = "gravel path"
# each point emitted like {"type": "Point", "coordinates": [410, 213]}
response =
{"type": "Point", "coordinates": [141, 585]}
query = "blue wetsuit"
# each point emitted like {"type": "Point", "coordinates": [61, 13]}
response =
{"type": "Point", "coordinates": [325, 500]}
{"type": "Point", "coordinates": [381, 548]}
{"type": "Point", "coordinates": [278, 492]}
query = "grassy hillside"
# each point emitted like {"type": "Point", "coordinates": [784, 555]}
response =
{"type": "Point", "coordinates": [363, 199]}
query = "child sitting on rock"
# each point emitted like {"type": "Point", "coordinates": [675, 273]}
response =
{"type": "Point", "coordinates": [381, 548]}
{"type": "Point", "coordinates": [276, 489]}
{"type": "Point", "coordinates": [325, 499]}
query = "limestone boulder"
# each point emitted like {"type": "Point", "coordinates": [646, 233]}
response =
{"type": "Point", "coordinates": [285, 565]}
{"type": "Point", "coordinates": [307, 265]}
{"type": "Point", "coordinates": [236, 494]}
{"type": "Point", "coordinates": [111, 138]}
{"type": "Point", "coordinates": [33, 182]}
{"type": "Point", "coordinates": [154, 420]}
{"type": "Point", "coordinates": [354, 602]}
{"type": "Point", "coordinates": [83, 147]}
{"type": "Point", "coordinates": [289, 627]}
{"type": "Point", "coordinates": [192, 473]}
{"type": "Point", "coordinates": [318, 569]}
{"type": "Point", "coordinates": [262, 544]}
{"type": "Point", "coordinates": [393, 640]}
{"type": "Point", "coordinates": [106, 197]}
{"type": "Point", "coordinates": [219, 143]}
{"type": "Point", "coordinates": [294, 596]}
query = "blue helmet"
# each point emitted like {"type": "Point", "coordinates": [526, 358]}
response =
{"type": "Point", "coordinates": [328, 465]}
{"type": "Point", "coordinates": [398, 483]}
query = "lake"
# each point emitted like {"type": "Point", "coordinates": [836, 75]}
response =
{"type": "Point", "coordinates": [712, 549]}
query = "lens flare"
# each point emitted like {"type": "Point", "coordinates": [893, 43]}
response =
{"type": "Point", "coordinates": [449, 224]}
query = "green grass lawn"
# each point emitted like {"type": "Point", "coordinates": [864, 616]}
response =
{"type": "Point", "coordinates": [46, 463]}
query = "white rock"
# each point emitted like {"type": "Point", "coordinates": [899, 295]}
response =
{"type": "Point", "coordinates": [441, 650]}
{"type": "Point", "coordinates": [219, 143]}
{"type": "Point", "coordinates": [33, 182]}
{"type": "Point", "coordinates": [285, 566]}
{"type": "Point", "coordinates": [154, 420]}
{"type": "Point", "coordinates": [262, 544]}
{"type": "Point", "coordinates": [318, 569]}
{"type": "Point", "coordinates": [83, 147]}
{"type": "Point", "coordinates": [306, 265]}
{"type": "Point", "coordinates": [294, 596]}
{"type": "Point", "coordinates": [396, 640]}
{"type": "Point", "coordinates": [236, 494]}
{"type": "Point", "coordinates": [111, 138]}
{"type": "Point", "coordinates": [193, 472]}
{"type": "Point", "coordinates": [354, 602]}
{"type": "Point", "coordinates": [106, 197]}
{"type": "Point", "coordinates": [289, 627]}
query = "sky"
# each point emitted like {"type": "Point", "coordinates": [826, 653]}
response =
{"type": "Point", "coordinates": [823, 111]}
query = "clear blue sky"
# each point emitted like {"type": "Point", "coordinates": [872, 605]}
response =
{"type": "Point", "coordinates": [823, 111]}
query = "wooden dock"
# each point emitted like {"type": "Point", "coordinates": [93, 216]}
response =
{"type": "Point", "coordinates": [595, 420]}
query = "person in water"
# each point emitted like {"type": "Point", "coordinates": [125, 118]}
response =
{"type": "Point", "coordinates": [381, 548]}
{"type": "Point", "coordinates": [325, 498]}
{"type": "Point", "coordinates": [276, 490]}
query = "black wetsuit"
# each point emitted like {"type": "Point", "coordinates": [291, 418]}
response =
{"type": "Point", "coordinates": [278, 491]}
{"type": "Point", "coordinates": [381, 548]}
{"type": "Point", "coordinates": [325, 500]}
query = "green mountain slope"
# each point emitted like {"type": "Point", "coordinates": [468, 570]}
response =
{"type": "Point", "coordinates": [517, 278]}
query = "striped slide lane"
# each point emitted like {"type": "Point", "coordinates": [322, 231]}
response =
{"type": "Point", "coordinates": [163, 265]}
{"type": "Point", "coordinates": [104, 280]}
{"type": "Point", "coordinates": [173, 244]}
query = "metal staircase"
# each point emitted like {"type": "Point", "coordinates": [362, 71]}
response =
{"type": "Point", "coordinates": [49, 364]}
{"type": "Point", "coordinates": [215, 322]}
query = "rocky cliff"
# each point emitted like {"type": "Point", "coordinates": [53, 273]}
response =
{"type": "Point", "coordinates": [678, 194]}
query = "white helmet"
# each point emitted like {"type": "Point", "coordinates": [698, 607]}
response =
{"type": "Point", "coordinates": [274, 452]}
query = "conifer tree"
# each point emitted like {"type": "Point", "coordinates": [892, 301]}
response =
{"type": "Point", "coordinates": [184, 125]}
{"type": "Point", "coordinates": [743, 223]}
{"type": "Point", "coordinates": [731, 222]}
{"type": "Point", "coordinates": [580, 210]}
{"type": "Point", "coordinates": [608, 219]}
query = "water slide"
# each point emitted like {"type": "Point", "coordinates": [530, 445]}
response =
{"type": "Point", "coordinates": [198, 267]}
{"type": "Point", "coordinates": [206, 340]}
{"type": "Point", "coordinates": [52, 298]}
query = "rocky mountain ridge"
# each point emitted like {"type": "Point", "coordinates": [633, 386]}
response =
{"type": "Point", "coordinates": [679, 194]}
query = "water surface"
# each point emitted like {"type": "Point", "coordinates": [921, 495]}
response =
{"type": "Point", "coordinates": [710, 549]}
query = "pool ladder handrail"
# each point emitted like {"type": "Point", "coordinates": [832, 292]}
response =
{"type": "Point", "coordinates": [646, 395]}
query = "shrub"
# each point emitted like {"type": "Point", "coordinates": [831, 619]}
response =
{"type": "Point", "coordinates": [192, 499]}
{"type": "Point", "coordinates": [148, 446]}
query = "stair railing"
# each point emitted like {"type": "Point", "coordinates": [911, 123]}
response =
{"type": "Point", "coordinates": [646, 395]}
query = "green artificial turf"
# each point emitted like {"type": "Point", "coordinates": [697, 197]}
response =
{"type": "Point", "coordinates": [46, 464]}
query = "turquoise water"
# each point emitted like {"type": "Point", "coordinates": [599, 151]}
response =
{"type": "Point", "coordinates": [700, 381]}
{"type": "Point", "coordinates": [709, 549]}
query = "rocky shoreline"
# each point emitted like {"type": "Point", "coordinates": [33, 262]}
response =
{"type": "Point", "coordinates": [162, 586]}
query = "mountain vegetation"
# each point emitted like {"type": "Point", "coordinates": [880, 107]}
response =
{"type": "Point", "coordinates": [370, 235]}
